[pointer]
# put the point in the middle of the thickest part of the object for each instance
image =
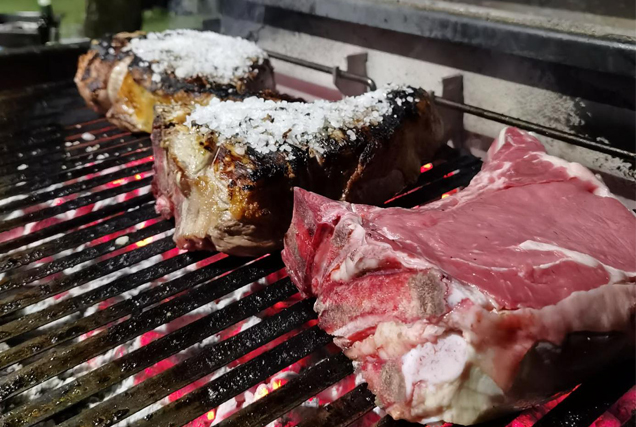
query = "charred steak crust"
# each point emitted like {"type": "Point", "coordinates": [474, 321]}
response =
{"type": "Point", "coordinates": [128, 96]}
{"type": "Point", "coordinates": [369, 167]}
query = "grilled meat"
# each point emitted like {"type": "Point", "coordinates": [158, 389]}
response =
{"type": "Point", "coordinates": [488, 301]}
{"type": "Point", "coordinates": [126, 75]}
{"type": "Point", "coordinates": [226, 171]}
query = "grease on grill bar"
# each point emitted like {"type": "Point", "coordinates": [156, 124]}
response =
{"type": "Point", "coordinates": [104, 321]}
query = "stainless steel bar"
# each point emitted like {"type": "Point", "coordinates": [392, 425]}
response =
{"type": "Point", "coordinates": [537, 128]}
{"type": "Point", "coordinates": [325, 69]}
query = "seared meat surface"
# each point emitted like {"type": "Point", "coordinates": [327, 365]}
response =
{"type": "Point", "coordinates": [484, 302]}
{"type": "Point", "coordinates": [126, 75]}
{"type": "Point", "coordinates": [226, 170]}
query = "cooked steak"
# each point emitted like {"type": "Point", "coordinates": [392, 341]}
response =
{"type": "Point", "coordinates": [126, 75]}
{"type": "Point", "coordinates": [227, 170]}
{"type": "Point", "coordinates": [488, 301]}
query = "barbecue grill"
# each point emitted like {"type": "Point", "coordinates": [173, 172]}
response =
{"type": "Point", "coordinates": [103, 321]}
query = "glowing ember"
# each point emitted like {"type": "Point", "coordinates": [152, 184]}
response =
{"type": "Point", "coordinates": [144, 242]}
{"type": "Point", "coordinates": [278, 384]}
{"type": "Point", "coordinates": [210, 415]}
{"type": "Point", "coordinates": [426, 167]}
{"type": "Point", "coordinates": [118, 181]}
{"type": "Point", "coordinates": [445, 195]}
{"type": "Point", "coordinates": [261, 391]}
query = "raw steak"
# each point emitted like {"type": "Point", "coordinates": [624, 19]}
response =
{"type": "Point", "coordinates": [485, 302]}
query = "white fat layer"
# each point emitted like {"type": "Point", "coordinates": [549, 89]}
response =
{"type": "Point", "coordinates": [500, 141]}
{"type": "Point", "coordinates": [116, 78]}
{"type": "Point", "coordinates": [357, 325]}
{"type": "Point", "coordinates": [435, 363]}
{"type": "Point", "coordinates": [616, 275]}
{"type": "Point", "coordinates": [459, 292]}
{"type": "Point", "coordinates": [462, 400]}
{"type": "Point", "coordinates": [579, 171]}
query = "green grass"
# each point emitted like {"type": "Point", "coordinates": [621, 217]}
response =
{"type": "Point", "coordinates": [73, 11]}
{"type": "Point", "coordinates": [73, 20]}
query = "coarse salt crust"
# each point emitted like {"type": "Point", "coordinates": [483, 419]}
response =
{"type": "Point", "coordinates": [191, 53]}
{"type": "Point", "coordinates": [268, 126]}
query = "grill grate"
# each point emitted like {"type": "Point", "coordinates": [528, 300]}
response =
{"type": "Point", "coordinates": [88, 268]}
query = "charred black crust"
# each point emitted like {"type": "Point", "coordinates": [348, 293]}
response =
{"type": "Point", "coordinates": [367, 141]}
{"type": "Point", "coordinates": [109, 48]}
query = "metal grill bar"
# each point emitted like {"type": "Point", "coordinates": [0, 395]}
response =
{"type": "Point", "coordinates": [22, 299]}
{"type": "Point", "coordinates": [69, 306]}
{"type": "Point", "coordinates": [105, 128]}
{"type": "Point", "coordinates": [22, 278]}
{"type": "Point", "coordinates": [210, 396]}
{"type": "Point", "coordinates": [78, 221]}
{"type": "Point", "coordinates": [66, 332]}
{"type": "Point", "coordinates": [310, 382]}
{"type": "Point", "coordinates": [541, 130]}
{"type": "Point", "coordinates": [42, 370]}
{"type": "Point", "coordinates": [345, 410]}
{"type": "Point", "coordinates": [25, 183]}
{"type": "Point", "coordinates": [70, 162]}
{"type": "Point", "coordinates": [592, 398]}
{"type": "Point", "coordinates": [56, 148]}
{"type": "Point", "coordinates": [208, 360]}
{"type": "Point", "coordinates": [76, 238]}
{"type": "Point", "coordinates": [73, 204]}
{"type": "Point", "coordinates": [152, 353]}
{"type": "Point", "coordinates": [100, 119]}
{"type": "Point", "coordinates": [75, 188]}
{"type": "Point", "coordinates": [72, 112]}
{"type": "Point", "coordinates": [433, 190]}
{"type": "Point", "coordinates": [33, 138]}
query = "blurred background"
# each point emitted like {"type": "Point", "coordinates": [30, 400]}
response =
{"type": "Point", "coordinates": [29, 22]}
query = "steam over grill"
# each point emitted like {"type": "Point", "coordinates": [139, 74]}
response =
{"type": "Point", "coordinates": [102, 317]}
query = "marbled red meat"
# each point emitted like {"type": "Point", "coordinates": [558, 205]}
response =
{"type": "Point", "coordinates": [475, 304]}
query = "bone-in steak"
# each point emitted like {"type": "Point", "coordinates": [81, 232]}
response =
{"type": "Point", "coordinates": [227, 171]}
{"type": "Point", "coordinates": [488, 301]}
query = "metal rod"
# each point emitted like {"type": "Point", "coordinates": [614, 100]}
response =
{"type": "Point", "coordinates": [41, 370]}
{"type": "Point", "coordinates": [61, 334]}
{"type": "Point", "coordinates": [476, 111]}
{"type": "Point", "coordinates": [540, 129]}
{"type": "Point", "coordinates": [70, 224]}
{"type": "Point", "coordinates": [29, 255]}
{"type": "Point", "coordinates": [77, 187]}
{"type": "Point", "coordinates": [58, 165]}
{"type": "Point", "coordinates": [310, 382]}
{"type": "Point", "coordinates": [134, 305]}
{"type": "Point", "coordinates": [32, 183]}
{"type": "Point", "coordinates": [162, 384]}
{"type": "Point", "coordinates": [367, 81]}
{"type": "Point", "coordinates": [239, 379]}
{"type": "Point", "coordinates": [23, 278]}
{"type": "Point", "coordinates": [208, 359]}
{"type": "Point", "coordinates": [73, 204]}
{"type": "Point", "coordinates": [592, 398]}
{"type": "Point", "coordinates": [68, 306]}
{"type": "Point", "coordinates": [57, 149]}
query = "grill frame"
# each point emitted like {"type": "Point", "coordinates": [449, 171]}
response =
{"type": "Point", "coordinates": [142, 312]}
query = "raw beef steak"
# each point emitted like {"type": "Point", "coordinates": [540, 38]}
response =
{"type": "Point", "coordinates": [485, 302]}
